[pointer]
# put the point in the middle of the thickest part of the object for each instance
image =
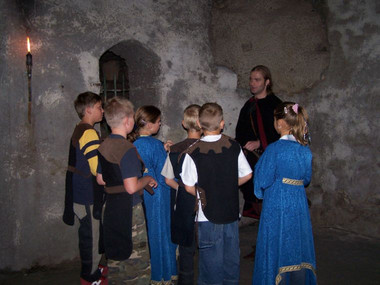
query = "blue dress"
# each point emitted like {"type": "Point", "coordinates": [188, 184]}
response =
{"type": "Point", "coordinates": [285, 247]}
{"type": "Point", "coordinates": [162, 250]}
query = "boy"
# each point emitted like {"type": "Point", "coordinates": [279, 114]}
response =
{"type": "Point", "coordinates": [213, 169]}
{"type": "Point", "coordinates": [120, 170]}
{"type": "Point", "coordinates": [81, 187]}
{"type": "Point", "coordinates": [182, 203]}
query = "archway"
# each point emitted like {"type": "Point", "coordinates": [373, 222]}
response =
{"type": "Point", "coordinates": [130, 70]}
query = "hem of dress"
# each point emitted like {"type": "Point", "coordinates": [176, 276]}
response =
{"type": "Point", "coordinates": [163, 282]}
{"type": "Point", "coordinates": [291, 268]}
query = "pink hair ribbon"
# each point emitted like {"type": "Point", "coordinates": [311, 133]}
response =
{"type": "Point", "coordinates": [295, 108]}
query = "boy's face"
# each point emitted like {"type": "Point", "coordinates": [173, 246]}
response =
{"type": "Point", "coordinates": [96, 112]}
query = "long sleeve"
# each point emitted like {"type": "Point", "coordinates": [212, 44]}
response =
{"type": "Point", "coordinates": [89, 143]}
{"type": "Point", "coordinates": [265, 170]}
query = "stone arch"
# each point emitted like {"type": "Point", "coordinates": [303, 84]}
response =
{"type": "Point", "coordinates": [143, 71]}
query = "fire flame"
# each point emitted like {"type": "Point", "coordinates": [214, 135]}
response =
{"type": "Point", "coordinates": [28, 43]}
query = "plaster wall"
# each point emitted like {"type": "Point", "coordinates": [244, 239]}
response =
{"type": "Point", "coordinates": [166, 44]}
{"type": "Point", "coordinates": [325, 56]}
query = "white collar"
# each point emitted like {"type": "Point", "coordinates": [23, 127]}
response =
{"type": "Point", "coordinates": [288, 138]}
{"type": "Point", "coordinates": [211, 138]}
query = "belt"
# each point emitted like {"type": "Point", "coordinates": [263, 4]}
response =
{"type": "Point", "coordinates": [292, 181]}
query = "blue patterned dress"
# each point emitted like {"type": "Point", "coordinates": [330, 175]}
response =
{"type": "Point", "coordinates": [285, 247]}
{"type": "Point", "coordinates": [162, 250]}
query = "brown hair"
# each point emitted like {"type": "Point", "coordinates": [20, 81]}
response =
{"type": "Point", "coordinates": [265, 72]}
{"type": "Point", "coordinates": [144, 115]}
{"type": "Point", "coordinates": [190, 117]}
{"type": "Point", "coordinates": [297, 121]}
{"type": "Point", "coordinates": [116, 109]}
{"type": "Point", "coordinates": [210, 116]}
{"type": "Point", "coordinates": [84, 100]}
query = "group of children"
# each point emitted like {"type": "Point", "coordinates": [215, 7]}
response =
{"type": "Point", "coordinates": [150, 197]}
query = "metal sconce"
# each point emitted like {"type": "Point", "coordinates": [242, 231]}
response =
{"type": "Point", "coordinates": [29, 63]}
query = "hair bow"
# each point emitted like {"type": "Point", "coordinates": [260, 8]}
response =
{"type": "Point", "coordinates": [295, 108]}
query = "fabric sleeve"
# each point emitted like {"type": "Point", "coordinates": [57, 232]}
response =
{"type": "Point", "coordinates": [99, 168]}
{"type": "Point", "coordinates": [189, 173]}
{"type": "Point", "coordinates": [159, 157]}
{"type": "Point", "coordinates": [265, 170]}
{"type": "Point", "coordinates": [243, 165]}
{"type": "Point", "coordinates": [89, 143]}
{"type": "Point", "coordinates": [130, 165]}
{"type": "Point", "coordinates": [308, 167]}
{"type": "Point", "coordinates": [167, 170]}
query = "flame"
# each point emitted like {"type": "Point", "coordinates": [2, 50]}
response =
{"type": "Point", "coordinates": [28, 43]}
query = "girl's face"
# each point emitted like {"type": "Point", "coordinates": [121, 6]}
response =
{"type": "Point", "coordinates": [155, 127]}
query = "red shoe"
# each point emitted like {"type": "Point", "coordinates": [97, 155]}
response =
{"type": "Point", "coordinates": [103, 270]}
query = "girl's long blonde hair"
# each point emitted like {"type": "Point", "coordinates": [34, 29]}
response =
{"type": "Point", "coordinates": [296, 117]}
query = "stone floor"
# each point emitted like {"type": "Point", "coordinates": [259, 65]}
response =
{"type": "Point", "coordinates": [343, 258]}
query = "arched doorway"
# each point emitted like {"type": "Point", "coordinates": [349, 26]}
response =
{"type": "Point", "coordinates": [130, 70]}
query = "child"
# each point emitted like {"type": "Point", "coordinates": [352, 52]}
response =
{"type": "Point", "coordinates": [162, 250]}
{"type": "Point", "coordinates": [213, 168]}
{"type": "Point", "coordinates": [182, 203]}
{"type": "Point", "coordinates": [285, 247]}
{"type": "Point", "coordinates": [120, 170]}
{"type": "Point", "coordinates": [81, 185]}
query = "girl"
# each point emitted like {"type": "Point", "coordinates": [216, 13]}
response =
{"type": "Point", "coordinates": [152, 152]}
{"type": "Point", "coordinates": [285, 247]}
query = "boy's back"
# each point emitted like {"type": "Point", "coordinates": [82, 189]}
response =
{"type": "Point", "coordinates": [214, 168]}
{"type": "Point", "coordinates": [217, 170]}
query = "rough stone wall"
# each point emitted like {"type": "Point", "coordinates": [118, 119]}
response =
{"type": "Point", "coordinates": [68, 38]}
{"type": "Point", "coordinates": [289, 36]}
{"type": "Point", "coordinates": [324, 55]}
{"type": "Point", "coordinates": [170, 38]}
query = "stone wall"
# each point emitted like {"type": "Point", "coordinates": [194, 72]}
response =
{"type": "Point", "coordinates": [324, 55]}
{"type": "Point", "coordinates": [166, 46]}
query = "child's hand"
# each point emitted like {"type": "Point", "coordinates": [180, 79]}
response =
{"type": "Point", "coordinates": [152, 182]}
{"type": "Point", "coordinates": [99, 179]}
{"type": "Point", "coordinates": [168, 144]}
{"type": "Point", "coordinates": [252, 145]}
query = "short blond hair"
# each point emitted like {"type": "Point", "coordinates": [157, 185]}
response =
{"type": "Point", "coordinates": [116, 109]}
{"type": "Point", "coordinates": [210, 116]}
{"type": "Point", "coordinates": [190, 117]}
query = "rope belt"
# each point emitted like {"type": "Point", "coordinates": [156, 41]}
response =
{"type": "Point", "coordinates": [292, 181]}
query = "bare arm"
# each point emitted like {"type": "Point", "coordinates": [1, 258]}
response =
{"type": "Point", "coordinates": [190, 189]}
{"type": "Point", "coordinates": [134, 184]}
{"type": "Point", "coordinates": [172, 183]}
{"type": "Point", "coordinates": [244, 179]}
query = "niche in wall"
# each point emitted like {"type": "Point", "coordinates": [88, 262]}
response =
{"type": "Point", "coordinates": [130, 70]}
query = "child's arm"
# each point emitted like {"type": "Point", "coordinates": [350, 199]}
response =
{"type": "Point", "coordinates": [190, 189]}
{"type": "Point", "coordinates": [245, 171]}
{"type": "Point", "coordinates": [172, 183]}
{"type": "Point", "coordinates": [244, 179]}
{"type": "Point", "coordinates": [168, 173]}
{"type": "Point", "coordinates": [89, 143]}
{"type": "Point", "coordinates": [134, 184]}
{"type": "Point", "coordinates": [189, 174]}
